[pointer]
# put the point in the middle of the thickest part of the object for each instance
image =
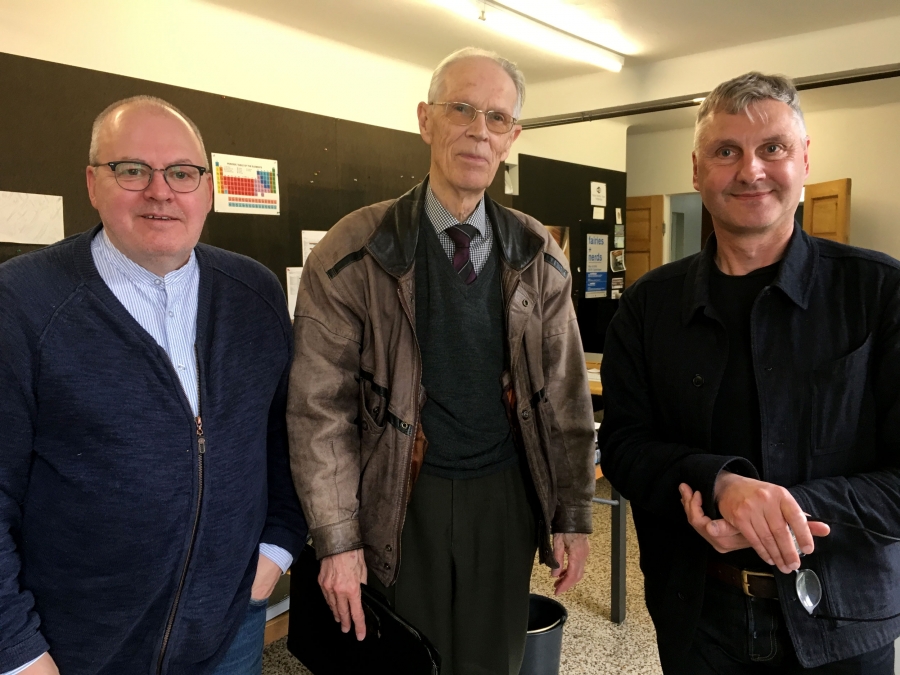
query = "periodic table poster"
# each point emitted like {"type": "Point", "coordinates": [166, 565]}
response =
{"type": "Point", "coordinates": [245, 185]}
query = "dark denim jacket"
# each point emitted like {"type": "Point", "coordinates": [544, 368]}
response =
{"type": "Point", "coordinates": [825, 339]}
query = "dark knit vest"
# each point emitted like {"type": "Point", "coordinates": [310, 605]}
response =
{"type": "Point", "coordinates": [461, 334]}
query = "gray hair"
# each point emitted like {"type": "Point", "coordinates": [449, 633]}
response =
{"type": "Point", "coordinates": [737, 95]}
{"type": "Point", "coordinates": [510, 68]}
{"type": "Point", "coordinates": [141, 100]}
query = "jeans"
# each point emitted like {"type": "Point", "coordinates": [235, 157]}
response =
{"type": "Point", "coordinates": [244, 656]}
{"type": "Point", "coordinates": [740, 635]}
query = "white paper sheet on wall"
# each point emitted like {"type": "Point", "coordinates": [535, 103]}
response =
{"type": "Point", "coordinates": [293, 287]}
{"type": "Point", "coordinates": [30, 219]}
{"type": "Point", "coordinates": [309, 239]}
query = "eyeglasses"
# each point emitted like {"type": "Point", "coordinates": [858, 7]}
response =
{"type": "Point", "coordinates": [463, 114]}
{"type": "Point", "coordinates": [809, 589]}
{"type": "Point", "coordinates": [137, 176]}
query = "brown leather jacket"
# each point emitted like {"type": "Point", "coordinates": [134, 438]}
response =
{"type": "Point", "coordinates": [355, 387]}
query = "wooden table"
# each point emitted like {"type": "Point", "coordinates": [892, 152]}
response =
{"type": "Point", "coordinates": [596, 386]}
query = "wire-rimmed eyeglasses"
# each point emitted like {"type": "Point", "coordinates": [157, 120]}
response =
{"type": "Point", "coordinates": [463, 114]}
{"type": "Point", "coordinates": [809, 589]}
{"type": "Point", "coordinates": [137, 176]}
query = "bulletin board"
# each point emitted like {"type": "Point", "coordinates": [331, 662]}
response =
{"type": "Point", "coordinates": [559, 193]}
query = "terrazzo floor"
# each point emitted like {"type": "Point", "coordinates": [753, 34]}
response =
{"type": "Point", "coordinates": [592, 644]}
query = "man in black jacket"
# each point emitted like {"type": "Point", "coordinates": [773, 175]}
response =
{"type": "Point", "coordinates": [753, 418]}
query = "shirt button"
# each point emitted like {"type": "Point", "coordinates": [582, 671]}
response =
{"type": "Point", "coordinates": [524, 303]}
{"type": "Point", "coordinates": [698, 381]}
{"type": "Point", "coordinates": [180, 367]}
{"type": "Point", "coordinates": [387, 566]}
{"type": "Point", "coordinates": [388, 548]}
{"type": "Point", "coordinates": [171, 313]}
{"type": "Point", "coordinates": [157, 281]}
{"type": "Point", "coordinates": [526, 414]}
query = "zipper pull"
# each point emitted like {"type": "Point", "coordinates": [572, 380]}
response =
{"type": "Point", "coordinates": [201, 439]}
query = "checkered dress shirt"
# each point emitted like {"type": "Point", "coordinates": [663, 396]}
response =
{"type": "Point", "coordinates": [480, 248]}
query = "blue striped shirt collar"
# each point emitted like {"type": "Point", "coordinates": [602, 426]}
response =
{"type": "Point", "coordinates": [140, 275]}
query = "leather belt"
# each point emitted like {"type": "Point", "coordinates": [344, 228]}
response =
{"type": "Point", "coordinates": [751, 583]}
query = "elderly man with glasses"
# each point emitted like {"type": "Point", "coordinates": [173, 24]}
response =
{"type": "Point", "coordinates": [439, 403]}
{"type": "Point", "coordinates": [753, 418]}
{"type": "Point", "coordinates": [146, 505]}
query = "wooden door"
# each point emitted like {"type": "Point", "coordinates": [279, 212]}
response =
{"type": "Point", "coordinates": [826, 210]}
{"type": "Point", "coordinates": [643, 235]}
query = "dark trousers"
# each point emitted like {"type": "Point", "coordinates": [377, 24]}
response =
{"type": "Point", "coordinates": [740, 635]}
{"type": "Point", "coordinates": [467, 550]}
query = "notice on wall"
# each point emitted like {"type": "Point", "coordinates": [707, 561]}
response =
{"type": "Point", "coordinates": [246, 185]}
{"type": "Point", "coordinates": [599, 213]}
{"type": "Point", "coordinates": [618, 216]}
{"type": "Point", "coordinates": [293, 287]}
{"type": "Point", "coordinates": [27, 218]}
{"type": "Point", "coordinates": [617, 261]}
{"type": "Point", "coordinates": [617, 283]}
{"type": "Point", "coordinates": [596, 268]}
{"type": "Point", "coordinates": [598, 194]}
{"type": "Point", "coordinates": [309, 239]}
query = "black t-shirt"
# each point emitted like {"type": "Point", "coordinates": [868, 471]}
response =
{"type": "Point", "coordinates": [735, 422]}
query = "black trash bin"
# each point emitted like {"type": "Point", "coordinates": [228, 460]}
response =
{"type": "Point", "coordinates": [543, 646]}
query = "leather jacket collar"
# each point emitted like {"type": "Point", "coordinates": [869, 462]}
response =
{"type": "Point", "coordinates": [393, 243]}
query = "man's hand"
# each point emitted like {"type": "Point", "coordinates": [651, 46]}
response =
{"type": "Point", "coordinates": [43, 666]}
{"type": "Point", "coordinates": [720, 535]}
{"type": "Point", "coordinates": [765, 514]}
{"type": "Point", "coordinates": [575, 547]}
{"type": "Point", "coordinates": [340, 577]}
{"type": "Point", "coordinates": [267, 575]}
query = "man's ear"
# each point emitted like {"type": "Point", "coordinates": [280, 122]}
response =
{"type": "Point", "coordinates": [91, 181]}
{"type": "Point", "coordinates": [694, 162]}
{"type": "Point", "coordinates": [806, 158]}
{"type": "Point", "coordinates": [209, 183]}
{"type": "Point", "coordinates": [426, 121]}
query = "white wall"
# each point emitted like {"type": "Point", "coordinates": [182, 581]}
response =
{"type": "Point", "coordinates": [856, 143]}
{"type": "Point", "coordinates": [601, 144]}
{"type": "Point", "coordinates": [176, 42]}
{"type": "Point", "coordinates": [845, 48]}
{"type": "Point", "coordinates": [189, 43]}
{"type": "Point", "coordinates": [660, 163]}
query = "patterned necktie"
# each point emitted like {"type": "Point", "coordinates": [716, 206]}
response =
{"type": "Point", "coordinates": [462, 236]}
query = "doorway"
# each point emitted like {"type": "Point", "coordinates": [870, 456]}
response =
{"type": "Point", "coordinates": [686, 224]}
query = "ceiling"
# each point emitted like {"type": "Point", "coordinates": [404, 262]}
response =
{"type": "Point", "coordinates": [857, 95]}
{"type": "Point", "coordinates": [422, 32]}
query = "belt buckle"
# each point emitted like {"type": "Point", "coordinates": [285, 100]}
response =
{"type": "Point", "coordinates": [745, 580]}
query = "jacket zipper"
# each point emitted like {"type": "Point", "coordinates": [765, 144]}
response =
{"type": "Point", "coordinates": [201, 451]}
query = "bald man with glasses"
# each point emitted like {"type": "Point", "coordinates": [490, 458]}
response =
{"type": "Point", "coordinates": [146, 504]}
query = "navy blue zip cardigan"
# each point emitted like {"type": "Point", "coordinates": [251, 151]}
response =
{"type": "Point", "coordinates": [127, 545]}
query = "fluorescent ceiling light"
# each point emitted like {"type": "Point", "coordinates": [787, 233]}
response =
{"type": "Point", "coordinates": [525, 28]}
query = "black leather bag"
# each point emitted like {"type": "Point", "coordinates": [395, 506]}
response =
{"type": "Point", "coordinates": [315, 638]}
